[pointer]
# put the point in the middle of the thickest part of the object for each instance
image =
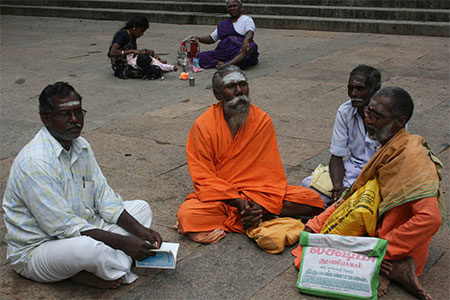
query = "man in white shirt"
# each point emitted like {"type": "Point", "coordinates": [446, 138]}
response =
{"type": "Point", "coordinates": [236, 46]}
{"type": "Point", "coordinates": [62, 218]}
{"type": "Point", "coordinates": [349, 133]}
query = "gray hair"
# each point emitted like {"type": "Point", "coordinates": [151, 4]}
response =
{"type": "Point", "coordinates": [401, 101]}
{"type": "Point", "coordinates": [238, 1]}
{"type": "Point", "coordinates": [217, 79]}
{"type": "Point", "coordinates": [373, 76]}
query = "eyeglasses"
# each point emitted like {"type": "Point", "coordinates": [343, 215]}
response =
{"type": "Point", "coordinates": [67, 114]}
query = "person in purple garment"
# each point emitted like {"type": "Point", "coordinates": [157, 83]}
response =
{"type": "Point", "coordinates": [236, 46]}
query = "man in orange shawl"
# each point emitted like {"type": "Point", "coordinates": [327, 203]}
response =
{"type": "Point", "coordinates": [409, 177]}
{"type": "Point", "coordinates": [236, 168]}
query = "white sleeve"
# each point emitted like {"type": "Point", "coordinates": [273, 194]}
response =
{"type": "Point", "coordinates": [214, 35]}
{"type": "Point", "coordinates": [339, 140]}
{"type": "Point", "coordinates": [249, 25]}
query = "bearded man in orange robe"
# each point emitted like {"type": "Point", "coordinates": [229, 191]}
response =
{"type": "Point", "coordinates": [236, 168]}
{"type": "Point", "coordinates": [410, 186]}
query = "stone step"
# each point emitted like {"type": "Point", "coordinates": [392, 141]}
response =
{"type": "Point", "coordinates": [436, 4]}
{"type": "Point", "coordinates": [388, 20]}
{"type": "Point", "coordinates": [262, 21]}
{"type": "Point", "coordinates": [376, 13]}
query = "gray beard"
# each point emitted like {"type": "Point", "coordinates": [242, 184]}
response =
{"type": "Point", "coordinates": [382, 134]}
{"type": "Point", "coordinates": [237, 110]}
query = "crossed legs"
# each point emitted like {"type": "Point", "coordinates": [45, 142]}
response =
{"type": "Point", "coordinates": [208, 222]}
{"type": "Point", "coordinates": [84, 259]}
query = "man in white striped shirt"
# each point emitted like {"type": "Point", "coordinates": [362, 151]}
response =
{"type": "Point", "coordinates": [63, 220]}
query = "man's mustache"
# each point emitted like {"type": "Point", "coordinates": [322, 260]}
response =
{"type": "Point", "coordinates": [74, 126]}
{"type": "Point", "coordinates": [238, 99]}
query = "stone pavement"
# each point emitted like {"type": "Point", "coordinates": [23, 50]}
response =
{"type": "Point", "coordinates": [138, 131]}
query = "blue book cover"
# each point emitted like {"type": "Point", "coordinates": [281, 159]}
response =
{"type": "Point", "coordinates": [165, 258]}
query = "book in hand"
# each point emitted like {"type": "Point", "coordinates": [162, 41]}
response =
{"type": "Point", "coordinates": [165, 258]}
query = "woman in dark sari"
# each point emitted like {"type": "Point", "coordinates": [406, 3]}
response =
{"type": "Point", "coordinates": [124, 43]}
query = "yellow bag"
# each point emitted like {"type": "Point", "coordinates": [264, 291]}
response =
{"type": "Point", "coordinates": [273, 235]}
{"type": "Point", "coordinates": [321, 180]}
{"type": "Point", "coordinates": [357, 215]}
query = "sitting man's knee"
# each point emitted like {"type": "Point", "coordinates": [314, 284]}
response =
{"type": "Point", "coordinates": [140, 210]}
{"type": "Point", "coordinates": [182, 212]}
{"type": "Point", "coordinates": [145, 207]}
{"type": "Point", "coordinates": [85, 249]}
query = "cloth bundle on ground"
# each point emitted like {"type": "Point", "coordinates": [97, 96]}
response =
{"type": "Point", "coordinates": [342, 267]}
{"type": "Point", "coordinates": [274, 235]}
{"type": "Point", "coordinates": [321, 180]}
{"type": "Point", "coordinates": [357, 215]}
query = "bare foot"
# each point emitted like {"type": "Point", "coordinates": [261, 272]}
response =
{"type": "Point", "coordinates": [404, 272]}
{"type": "Point", "coordinates": [383, 284]}
{"type": "Point", "coordinates": [175, 68]}
{"type": "Point", "coordinates": [90, 279]}
{"type": "Point", "coordinates": [207, 237]}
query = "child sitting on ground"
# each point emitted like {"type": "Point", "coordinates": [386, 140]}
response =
{"type": "Point", "coordinates": [144, 60]}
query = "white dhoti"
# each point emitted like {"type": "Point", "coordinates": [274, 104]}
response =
{"type": "Point", "coordinates": [64, 258]}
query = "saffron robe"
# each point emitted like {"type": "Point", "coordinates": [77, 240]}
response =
{"type": "Point", "coordinates": [247, 167]}
{"type": "Point", "coordinates": [228, 48]}
{"type": "Point", "coordinates": [411, 207]}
